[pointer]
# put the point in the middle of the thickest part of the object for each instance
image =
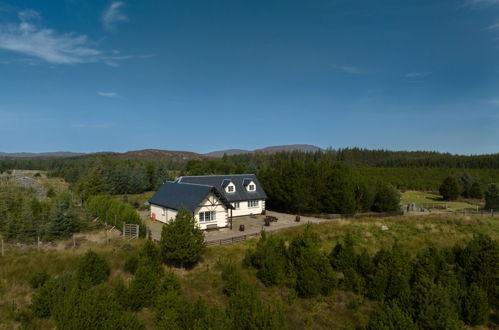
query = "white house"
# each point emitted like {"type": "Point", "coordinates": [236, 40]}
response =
{"type": "Point", "coordinates": [243, 191]}
{"type": "Point", "coordinates": [213, 199]}
{"type": "Point", "coordinates": [208, 206]}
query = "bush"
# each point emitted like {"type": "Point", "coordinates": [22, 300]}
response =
{"type": "Point", "coordinates": [492, 197]}
{"type": "Point", "coordinates": [270, 260]}
{"type": "Point", "coordinates": [475, 306]}
{"type": "Point", "coordinates": [245, 310]}
{"type": "Point", "coordinates": [182, 241]}
{"type": "Point", "coordinates": [131, 263]}
{"type": "Point", "coordinates": [314, 274]}
{"type": "Point", "coordinates": [391, 317]}
{"type": "Point", "coordinates": [476, 191]}
{"type": "Point", "coordinates": [144, 286]}
{"type": "Point", "coordinates": [38, 279]}
{"type": "Point", "coordinates": [450, 188]}
{"type": "Point", "coordinates": [95, 308]}
{"type": "Point", "coordinates": [386, 199]}
{"type": "Point", "coordinates": [92, 270]}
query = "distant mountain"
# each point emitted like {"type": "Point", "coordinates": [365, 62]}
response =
{"type": "Point", "coordinates": [228, 152]}
{"type": "Point", "coordinates": [267, 150]}
{"type": "Point", "coordinates": [157, 154]}
{"type": "Point", "coordinates": [57, 154]}
{"type": "Point", "coordinates": [290, 147]}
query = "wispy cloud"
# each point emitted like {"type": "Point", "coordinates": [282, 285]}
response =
{"type": "Point", "coordinates": [482, 2]}
{"type": "Point", "coordinates": [108, 94]}
{"type": "Point", "coordinates": [492, 27]}
{"type": "Point", "coordinates": [29, 38]}
{"type": "Point", "coordinates": [97, 125]}
{"type": "Point", "coordinates": [112, 15]}
{"type": "Point", "coordinates": [348, 69]}
{"type": "Point", "coordinates": [494, 101]}
{"type": "Point", "coordinates": [417, 74]}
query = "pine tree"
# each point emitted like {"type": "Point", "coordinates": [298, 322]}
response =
{"type": "Point", "coordinates": [386, 199]}
{"type": "Point", "coordinates": [182, 241]}
{"type": "Point", "coordinates": [144, 286]}
{"type": "Point", "coordinates": [466, 181]}
{"type": "Point", "coordinates": [449, 188]}
{"type": "Point", "coordinates": [391, 317]}
{"type": "Point", "coordinates": [476, 191]}
{"type": "Point", "coordinates": [475, 306]}
{"type": "Point", "coordinates": [63, 220]}
{"type": "Point", "coordinates": [492, 197]}
{"type": "Point", "coordinates": [92, 269]}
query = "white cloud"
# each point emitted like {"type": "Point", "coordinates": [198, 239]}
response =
{"type": "Point", "coordinates": [28, 37]}
{"type": "Point", "coordinates": [417, 74]}
{"type": "Point", "coordinates": [113, 15]}
{"type": "Point", "coordinates": [108, 94]}
{"type": "Point", "coordinates": [348, 69]}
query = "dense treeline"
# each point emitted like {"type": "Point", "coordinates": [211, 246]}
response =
{"type": "Point", "coordinates": [98, 174]}
{"type": "Point", "coordinates": [323, 186]}
{"type": "Point", "coordinates": [417, 176]}
{"type": "Point", "coordinates": [25, 218]}
{"type": "Point", "coordinates": [439, 289]}
{"type": "Point", "coordinates": [405, 170]}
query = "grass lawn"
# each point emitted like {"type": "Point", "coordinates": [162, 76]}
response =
{"type": "Point", "coordinates": [434, 201]}
{"type": "Point", "coordinates": [341, 310]}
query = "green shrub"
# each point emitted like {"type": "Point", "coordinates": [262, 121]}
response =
{"type": "Point", "coordinates": [131, 263]}
{"type": "Point", "coordinates": [270, 260]}
{"type": "Point", "coordinates": [314, 274]}
{"type": "Point", "coordinates": [450, 188]}
{"type": "Point", "coordinates": [386, 199]}
{"type": "Point", "coordinates": [92, 269]}
{"type": "Point", "coordinates": [38, 279]}
{"type": "Point", "coordinates": [182, 241]}
{"type": "Point", "coordinates": [492, 197]}
{"type": "Point", "coordinates": [391, 317]}
{"type": "Point", "coordinates": [475, 306]}
{"type": "Point", "coordinates": [144, 286]}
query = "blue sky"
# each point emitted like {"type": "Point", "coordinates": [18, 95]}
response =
{"type": "Point", "coordinates": [88, 76]}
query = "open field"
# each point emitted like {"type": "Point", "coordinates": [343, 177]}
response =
{"type": "Point", "coordinates": [435, 202]}
{"type": "Point", "coordinates": [341, 310]}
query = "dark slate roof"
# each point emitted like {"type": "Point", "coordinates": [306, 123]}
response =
{"type": "Point", "coordinates": [172, 195]}
{"type": "Point", "coordinates": [217, 181]}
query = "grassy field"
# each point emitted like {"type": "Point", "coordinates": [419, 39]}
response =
{"type": "Point", "coordinates": [435, 202]}
{"type": "Point", "coordinates": [341, 310]}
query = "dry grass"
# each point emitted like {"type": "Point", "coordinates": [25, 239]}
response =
{"type": "Point", "coordinates": [342, 310]}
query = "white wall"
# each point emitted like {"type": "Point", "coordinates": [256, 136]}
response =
{"type": "Point", "coordinates": [163, 214]}
{"type": "Point", "coordinates": [245, 210]}
{"type": "Point", "coordinates": [212, 203]}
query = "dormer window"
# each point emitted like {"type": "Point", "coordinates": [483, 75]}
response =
{"type": "Point", "coordinates": [229, 186]}
{"type": "Point", "coordinates": [251, 187]}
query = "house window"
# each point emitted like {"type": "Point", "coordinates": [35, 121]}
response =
{"type": "Point", "coordinates": [230, 188]}
{"type": "Point", "coordinates": [251, 187]}
{"type": "Point", "coordinates": [252, 204]}
{"type": "Point", "coordinates": [207, 216]}
{"type": "Point", "coordinates": [236, 205]}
